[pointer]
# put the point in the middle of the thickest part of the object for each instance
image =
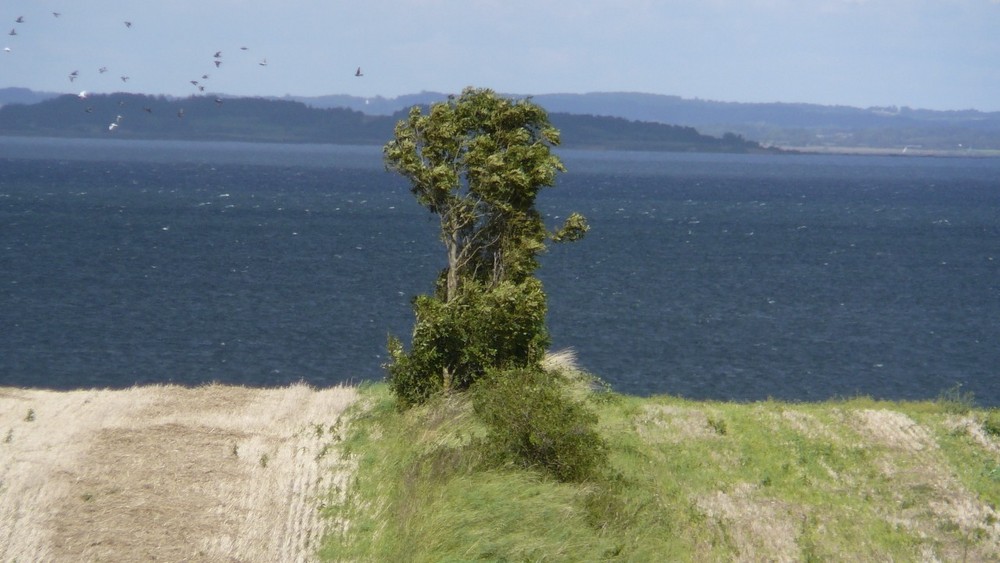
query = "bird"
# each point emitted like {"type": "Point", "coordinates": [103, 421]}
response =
{"type": "Point", "coordinates": [218, 54]}
{"type": "Point", "coordinates": [128, 24]}
{"type": "Point", "coordinates": [244, 48]}
{"type": "Point", "coordinates": [263, 62]}
{"type": "Point", "coordinates": [82, 95]}
{"type": "Point", "coordinates": [147, 109]}
{"type": "Point", "coordinates": [6, 49]}
{"type": "Point", "coordinates": [56, 14]}
{"type": "Point", "coordinates": [218, 101]}
{"type": "Point", "coordinates": [73, 75]}
{"type": "Point", "coordinates": [20, 19]}
{"type": "Point", "coordinates": [180, 112]}
{"type": "Point", "coordinates": [102, 70]}
{"type": "Point", "coordinates": [124, 78]}
{"type": "Point", "coordinates": [12, 31]}
{"type": "Point", "coordinates": [358, 72]}
{"type": "Point", "coordinates": [217, 63]}
{"type": "Point", "coordinates": [112, 127]}
{"type": "Point", "coordinates": [194, 82]}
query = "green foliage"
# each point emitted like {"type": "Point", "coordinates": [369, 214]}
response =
{"type": "Point", "coordinates": [992, 423]}
{"type": "Point", "coordinates": [502, 327]}
{"type": "Point", "coordinates": [532, 422]}
{"type": "Point", "coordinates": [478, 163]}
{"type": "Point", "coordinates": [955, 401]}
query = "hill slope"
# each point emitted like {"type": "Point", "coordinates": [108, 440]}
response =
{"type": "Point", "coordinates": [255, 119]}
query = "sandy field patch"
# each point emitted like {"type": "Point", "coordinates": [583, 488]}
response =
{"type": "Point", "coordinates": [167, 473]}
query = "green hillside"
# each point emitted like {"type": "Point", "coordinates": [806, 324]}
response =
{"type": "Point", "coordinates": [850, 480]}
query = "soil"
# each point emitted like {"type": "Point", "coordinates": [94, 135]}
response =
{"type": "Point", "coordinates": [167, 473]}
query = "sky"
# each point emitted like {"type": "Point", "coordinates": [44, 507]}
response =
{"type": "Point", "coordinates": [931, 54]}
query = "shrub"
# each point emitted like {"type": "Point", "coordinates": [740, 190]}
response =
{"type": "Point", "coordinates": [955, 401]}
{"type": "Point", "coordinates": [533, 422]}
{"type": "Point", "coordinates": [486, 328]}
{"type": "Point", "coordinates": [992, 423]}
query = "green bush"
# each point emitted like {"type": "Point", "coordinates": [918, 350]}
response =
{"type": "Point", "coordinates": [533, 422]}
{"type": "Point", "coordinates": [992, 423]}
{"type": "Point", "coordinates": [486, 328]}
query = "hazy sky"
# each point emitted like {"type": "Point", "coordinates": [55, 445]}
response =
{"type": "Point", "coordinates": [937, 54]}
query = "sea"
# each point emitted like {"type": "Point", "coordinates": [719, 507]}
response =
{"type": "Point", "coordinates": [707, 276]}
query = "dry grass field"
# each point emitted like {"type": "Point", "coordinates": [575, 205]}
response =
{"type": "Point", "coordinates": [167, 473]}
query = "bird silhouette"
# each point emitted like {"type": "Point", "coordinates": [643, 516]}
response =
{"type": "Point", "coordinates": [358, 72]}
{"type": "Point", "coordinates": [128, 24]}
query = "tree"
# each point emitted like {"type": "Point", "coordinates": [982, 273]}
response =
{"type": "Point", "coordinates": [478, 161]}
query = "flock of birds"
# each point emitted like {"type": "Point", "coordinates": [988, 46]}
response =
{"type": "Point", "coordinates": [198, 83]}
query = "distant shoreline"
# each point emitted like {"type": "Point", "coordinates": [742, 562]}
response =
{"type": "Point", "coordinates": [887, 151]}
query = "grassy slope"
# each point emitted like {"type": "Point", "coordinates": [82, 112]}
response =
{"type": "Point", "coordinates": [854, 480]}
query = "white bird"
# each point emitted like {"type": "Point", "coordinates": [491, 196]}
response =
{"type": "Point", "coordinates": [112, 127]}
{"type": "Point", "coordinates": [82, 95]}
{"type": "Point", "coordinates": [6, 49]}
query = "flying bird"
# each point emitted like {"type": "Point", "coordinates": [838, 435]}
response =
{"type": "Point", "coordinates": [20, 19]}
{"type": "Point", "coordinates": [147, 109]}
{"type": "Point", "coordinates": [217, 63]}
{"type": "Point", "coordinates": [180, 112]}
{"type": "Point", "coordinates": [73, 75]}
{"type": "Point", "coordinates": [128, 24]}
{"type": "Point", "coordinates": [358, 72]}
{"type": "Point", "coordinates": [263, 62]}
{"type": "Point", "coordinates": [56, 14]}
{"type": "Point", "coordinates": [102, 70]}
{"type": "Point", "coordinates": [218, 54]}
{"type": "Point", "coordinates": [6, 49]}
{"type": "Point", "coordinates": [82, 95]}
{"type": "Point", "coordinates": [243, 48]}
{"type": "Point", "coordinates": [124, 78]}
{"type": "Point", "coordinates": [218, 101]}
{"type": "Point", "coordinates": [12, 31]}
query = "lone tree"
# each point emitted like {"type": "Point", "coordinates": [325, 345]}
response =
{"type": "Point", "coordinates": [478, 161]}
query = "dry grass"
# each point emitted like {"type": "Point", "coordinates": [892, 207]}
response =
{"type": "Point", "coordinates": [213, 473]}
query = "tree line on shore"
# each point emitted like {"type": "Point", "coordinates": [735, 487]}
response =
{"type": "Point", "coordinates": [136, 116]}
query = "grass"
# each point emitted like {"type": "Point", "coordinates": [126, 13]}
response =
{"type": "Point", "coordinates": [855, 479]}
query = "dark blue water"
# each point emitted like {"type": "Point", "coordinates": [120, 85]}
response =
{"type": "Point", "coordinates": [708, 276]}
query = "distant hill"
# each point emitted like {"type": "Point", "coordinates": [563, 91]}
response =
{"type": "Point", "coordinates": [281, 120]}
{"type": "Point", "coordinates": [780, 124]}
{"type": "Point", "coordinates": [23, 96]}
{"type": "Point", "coordinates": [770, 124]}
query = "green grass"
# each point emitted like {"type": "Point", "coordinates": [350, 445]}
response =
{"type": "Point", "coordinates": [692, 481]}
